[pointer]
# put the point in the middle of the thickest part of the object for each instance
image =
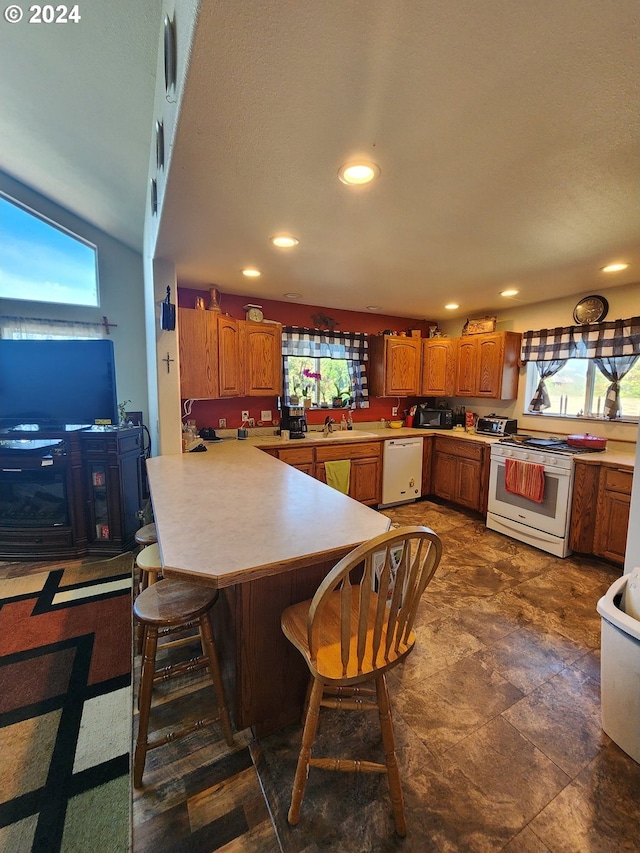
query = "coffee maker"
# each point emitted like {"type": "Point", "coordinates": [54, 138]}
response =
{"type": "Point", "coordinates": [293, 419]}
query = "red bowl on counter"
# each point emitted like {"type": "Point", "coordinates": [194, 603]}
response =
{"type": "Point", "coordinates": [587, 441]}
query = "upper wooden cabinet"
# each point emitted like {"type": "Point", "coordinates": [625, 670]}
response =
{"type": "Point", "coordinates": [230, 372]}
{"type": "Point", "coordinates": [224, 357]}
{"type": "Point", "coordinates": [487, 366]}
{"type": "Point", "coordinates": [438, 366]}
{"type": "Point", "coordinates": [198, 339]}
{"type": "Point", "coordinates": [394, 365]}
{"type": "Point", "coordinates": [262, 350]}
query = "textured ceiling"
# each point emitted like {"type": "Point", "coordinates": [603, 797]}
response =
{"type": "Point", "coordinates": [506, 133]}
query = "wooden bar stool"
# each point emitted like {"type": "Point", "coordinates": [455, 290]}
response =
{"type": "Point", "coordinates": [150, 565]}
{"type": "Point", "coordinates": [171, 605]}
{"type": "Point", "coordinates": [147, 535]}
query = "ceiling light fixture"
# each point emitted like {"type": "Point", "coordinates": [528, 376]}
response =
{"type": "Point", "coordinates": [374, 307]}
{"type": "Point", "coordinates": [451, 306]}
{"type": "Point", "coordinates": [251, 273]}
{"type": "Point", "coordinates": [292, 295]}
{"type": "Point", "coordinates": [358, 172]}
{"type": "Point", "coordinates": [616, 267]}
{"type": "Point", "coordinates": [510, 292]}
{"type": "Point", "coordinates": [284, 241]}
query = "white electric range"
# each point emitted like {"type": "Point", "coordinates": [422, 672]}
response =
{"type": "Point", "coordinates": [543, 524]}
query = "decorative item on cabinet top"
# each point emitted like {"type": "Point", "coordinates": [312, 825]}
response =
{"type": "Point", "coordinates": [253, 313]}
{"type": "Point", "coordinates": [480, 325]}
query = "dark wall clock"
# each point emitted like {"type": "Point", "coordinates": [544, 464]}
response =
{"type": "Point", "coordinates": [591, 309]}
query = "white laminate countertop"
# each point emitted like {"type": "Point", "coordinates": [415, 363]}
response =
{"type": "Point", "coordinates": [610, 457]}
{"type": "Point", "coordinates": [234, 514]}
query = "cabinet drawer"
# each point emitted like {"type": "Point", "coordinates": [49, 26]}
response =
{"type": "Point", "coordinates": [361, 450]}
{"type": "Point", "coordinates": [618, 481]}
{"type": "Point", "coordinates": [459, 447]}
{"type": "Point", "coordinates": [296, 455]}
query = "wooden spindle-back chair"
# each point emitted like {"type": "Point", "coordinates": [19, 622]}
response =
{"type": "Point", "coordinates": [357, 627]}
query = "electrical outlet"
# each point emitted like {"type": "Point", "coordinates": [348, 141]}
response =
{"type": "Point", "coordinates": [245, 415]}
{"type": "Point", "coordinates": [251, 422]}
{"type": "Point", "coordinates": [222, 423]}
{"type": "Point", "coordinates": [394, 412]}
{"type": "Point", "coordinates": [265, 415]}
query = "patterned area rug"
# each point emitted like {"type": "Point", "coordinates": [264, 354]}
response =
{"type": "Point", "coordinates": [65, 709]}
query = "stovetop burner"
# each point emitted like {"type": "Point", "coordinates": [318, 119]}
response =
{"type": "Point", "coordinates": [549, 445]}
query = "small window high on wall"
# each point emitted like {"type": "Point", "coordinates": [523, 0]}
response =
{"type": "Point", "coordinates": [43, 262]}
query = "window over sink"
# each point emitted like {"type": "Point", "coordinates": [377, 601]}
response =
{"type": "Point", "coordinates": [326, 368]}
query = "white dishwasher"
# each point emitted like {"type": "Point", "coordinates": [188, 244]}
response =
{"type": "Point", "coordinates": [401, 471]}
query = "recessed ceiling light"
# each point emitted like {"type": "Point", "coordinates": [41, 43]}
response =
{"type": "Point", "coordinates": [374, 307]}
{"type": "Point", "coordinates": [251, 273]}
{"type": "Point", "coordinates": [292, 295]}
{"type": "Point", "coordinates": [357, 173]}
{"type": "Point", "coordinates": [284, 241]}
{"type": "Point", "coordinates": [617, 267]}
{"type": "Point", "coordinates": [451, 306]}
{"type": "Point", "coordinates": [509, 292]}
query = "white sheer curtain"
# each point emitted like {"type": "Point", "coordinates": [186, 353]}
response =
{"type": "Point", "coordinates": [35, 328]}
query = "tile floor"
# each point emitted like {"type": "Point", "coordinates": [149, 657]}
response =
{"type": "Point", "coordinates": [497, 724]}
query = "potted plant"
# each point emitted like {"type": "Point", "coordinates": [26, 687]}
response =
{"type": "Point", "coordinates": [338, 402]}
{"type": "Point", "coordinates": [293, 398]}
{"type": "Point", "coordinates": [309, 374]}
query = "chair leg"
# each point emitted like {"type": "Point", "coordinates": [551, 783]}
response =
{"type": "Point", "coordinates": [308, 737]}
{"type": "Point", "coordinates": [388, 743]}
{"type": "Point", "coordinates": [144, 702]}
{"type": "Point", "coordinates": [209, 649]}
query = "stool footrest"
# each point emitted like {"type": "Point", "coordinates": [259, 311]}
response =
{"type": "Point", "coordinates": [182, 668]}
{"type": "Point", "coordinates": [175, 734]}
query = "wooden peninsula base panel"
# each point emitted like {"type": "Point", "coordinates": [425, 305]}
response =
{"type": "Point", "coordinates": [265, 535]}
{"type": "Point", "coordinates": [265, 676]}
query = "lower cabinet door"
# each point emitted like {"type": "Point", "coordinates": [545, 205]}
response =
{"type": "Point", "coordinates": [365, 481]}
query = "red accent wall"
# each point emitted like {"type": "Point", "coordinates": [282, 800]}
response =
{"type": "Point", "coordinates": [207, 412]}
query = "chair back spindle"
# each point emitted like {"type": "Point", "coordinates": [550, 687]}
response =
{"type": "Point", "coordinates": [374, 622]}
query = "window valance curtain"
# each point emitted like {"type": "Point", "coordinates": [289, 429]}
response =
{"type": "Point", "coordinates": [36, 328]}
{"type": "Point", "coordinates": [599, 340]}
{"type": "Point", "coordinates": [314, 343]}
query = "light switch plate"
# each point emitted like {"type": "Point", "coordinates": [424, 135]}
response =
{"type": "Point", "coordinates": [265, 415]}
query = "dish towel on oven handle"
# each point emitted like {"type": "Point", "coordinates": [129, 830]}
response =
{"type": "Point", "coordinates": [524, 478]}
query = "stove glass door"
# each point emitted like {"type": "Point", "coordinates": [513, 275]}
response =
{"type": "Point", "coordinates": [551, 516]}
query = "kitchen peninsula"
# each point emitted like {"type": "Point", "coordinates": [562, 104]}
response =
{"type": "Point", "coordinates": [265, 535]}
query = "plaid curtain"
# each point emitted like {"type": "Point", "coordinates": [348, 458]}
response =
{"type": "Point", "coordinates": [352, 346]}
{"type": "Point", "coordinates": [546, 369]}
{"type": "Point", "coordinates": [614, 369]}
{"type": "Point", "coordinates": [599, 340]}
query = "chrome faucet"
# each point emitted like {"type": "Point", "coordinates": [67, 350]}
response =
{"type": "Point", "coordinates": [328, 425]}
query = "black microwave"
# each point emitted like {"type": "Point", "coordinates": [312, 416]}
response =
{"type": "Point", "coordinates": [433, 418]}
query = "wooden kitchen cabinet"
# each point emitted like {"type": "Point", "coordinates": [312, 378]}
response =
{"type": "Point", "coordinates": [600, 510]}
{"type": "Point", "coordinates": [488, 366]}
{"type": "Point", "coordinates": [438, 366]}
{"type": "Point", "coordinates": [612, 520]}
{"type": "Point", "coordinates": [230, 372]}
{"type": "Point", "coordinates": [198, 342]}
{"type": "Point", "coordinates": [460, 472]}
{"type": "Point", "coordinates": [394, 365]}
{"type": "Point", "coordinates": [301, 458]}
{"type": "Point", "coordinates": [365, 483]}
{"type": "Point", "coordinates": [262, 353]}
{"type": "Point", "coordinates": [584, 506]}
